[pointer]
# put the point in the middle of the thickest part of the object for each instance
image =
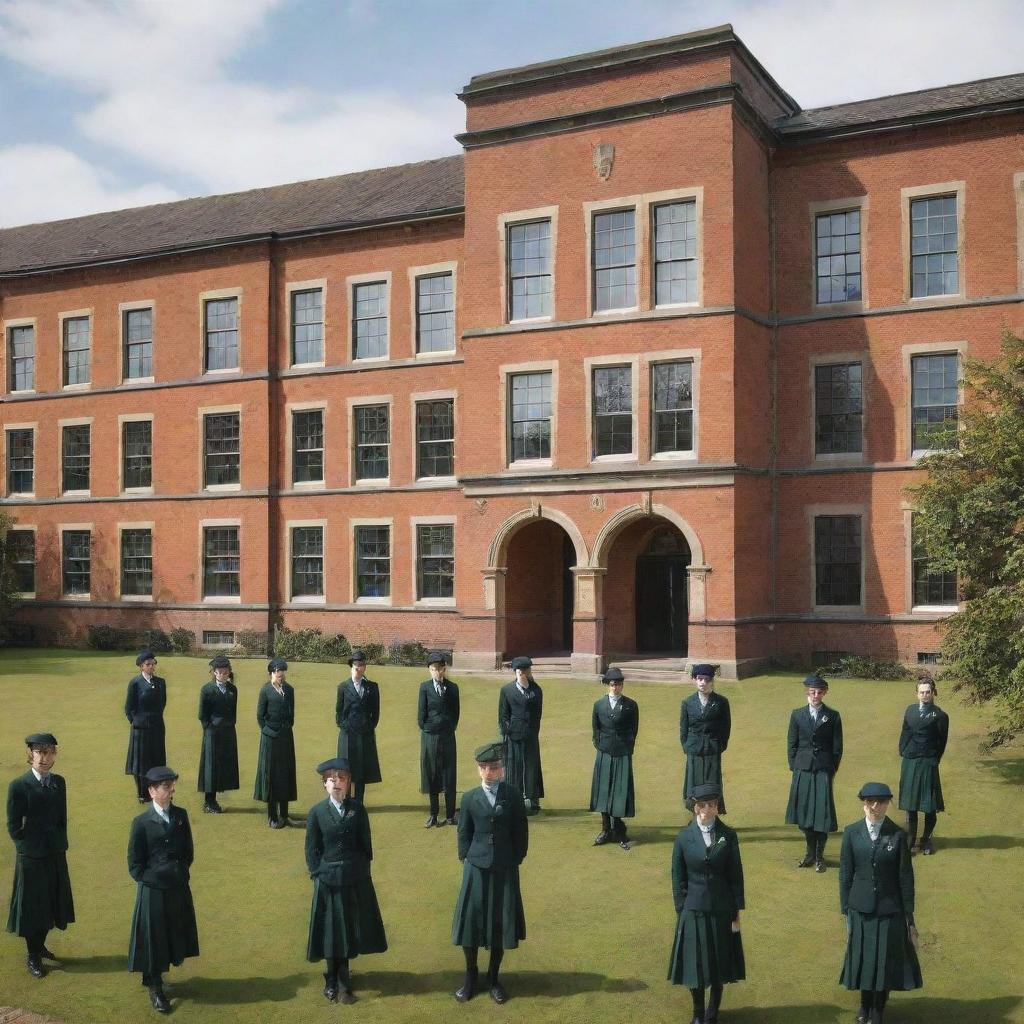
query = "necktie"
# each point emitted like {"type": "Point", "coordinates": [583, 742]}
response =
{"type": "Point", "coordinates": [920, 709]}
{"type": "Point", "coordinates": [45, 780]}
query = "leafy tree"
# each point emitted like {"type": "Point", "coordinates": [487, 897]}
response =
{"type": "Point", "coordinates": [970, 516]}
{"type": "Point", "coordinates": [8, 583]}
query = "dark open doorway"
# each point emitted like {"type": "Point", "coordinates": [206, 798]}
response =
{"type": "Point", "coordinates": [661, 597]}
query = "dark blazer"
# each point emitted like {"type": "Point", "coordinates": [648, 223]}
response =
{"type": "Point", "coordinates": [707, 878]}
{"type": "Point", "coordinates": [615, 731]}
{"type": "Point", "coordinates": [924, 736]}
{"type": "Point", "coordinates": [272, 714]}
{"type": "Point", "coordinates": [144, 704]}
{"type": "Point", "coordinates": [357, 715]}
{"type": "Point", "coordinates": [876, 878]}
{"type": "Point", "coordinates": [338, 848]}
{"type": "Point", "coordinates": [815, 748]}
{"type": "Point", "coordinates": [436, 714]}
{"type": "Point", "coordinates": [160, 855]}
{"type": "Point", "coordinates": [216, 708]}
{"type": "Point", "coordinates": [519, 713]}
{"type": "Point", "coordinates": [704, 731]}
{"type": "Point", "coordinates": [37, 816]}
{"type": "Point", "coordinates": [493, 837]}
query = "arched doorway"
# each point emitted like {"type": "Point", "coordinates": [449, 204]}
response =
{"type": "Point", "coordinates": [661, 592]}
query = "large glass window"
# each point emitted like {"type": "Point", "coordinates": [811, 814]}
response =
{"type": "Point", "coordinates": [21, 461]}
{"type": "Point", "coordinates": [435, 313]}
{"type": "Point", "coordinates": [308, 446]}
{"type": "Point", "coordinates": [221, 451]}
{"type": "Point", "coordinates": [221, 558]}
{"type": "Point", "coordinates": [937, 589]}
{"type": "Point", "coordinates": [935, 393]}
{"type": "Point", "coordinates": [307, 561]}
{"type": "Point", "coordinates": [933, 247]}
{"type": "Point", "coordinates": [614, 260]}
{"type": "Point", "coordinates": [837, 560]}
{"type": "Point", "coordinates": [77, 350]}
{"type": "Point", "coordinates": [137, 453]}
{"type": "Point", "coordinates": [612, 404]}
{"type": "Point", "coordinates": [373, 436]}
{"type": "Point", "coordinates": [136, 563]}
{"type": "Point", "coordinates": [837, 256]}
{"type": "Point", "coordinates": [435, 561]}
{"type": "Point", "coordinates": [672, 408]}
{"type": "Point", "coordinates": [138, 343]}
{"type": "Point", "coordinates": [370, 320]}
{"type": "Point", "coordinates": [838, 408]}
{"type": "Point", "coordinates": [221, 329]}
{"type": "Point", "coordinates": [675, 253]}
{"type": "Point", "coordinates": [373, 561]}
{"type": "Point", "coordinates": [75, 561]}
{"type": "Point", "coordinates": [435, 438]}
{"type": "Point", "coordinates": [21, 347]}
{"type": "Point", "coordinates": [529, 270]}
{"type": "Point", "coordinates": [21, 556]}
{"type": "Point", "coordinates": [308, 326]}
{"type": "Point", "coordinates": [531, 415]}
{"type": "Point", "coordinates": [75, 457]}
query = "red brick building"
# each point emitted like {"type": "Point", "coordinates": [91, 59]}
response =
{"type": "Point", "coordinates": [647, 369]}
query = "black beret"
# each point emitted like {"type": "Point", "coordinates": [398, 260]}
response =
{"type": "Point", "coordinates": [145, 656]}
{"type": "Point", "coordinates": [335, 764]}
{"type": "Point", "coordinates": [160, 774]}
{"type": "Point", "coordinates": [702, 670]}
{"type": "Point", "coordinates": [816, 682]}
{"type": "Point", "coordinates": [489, 752]}
{"type": "Point", "coordinates": [521, 662]}
{"type": "Point", "coordinates": [41, 739]}
{"type": "Point", "coordinates": [437, 657]}
{"type": "Point", "coordinates": [220, 661]}
{"type": "Point", "coordinates": [357, 655]}
{"type": "Point", "coordinates": [874, 791]}
{"type": "Point", "coordinates": [277, 663]}
{"type": "Point", "coordinates": [613, 675]}
{"type": "Point", "coordinates": [707, 791]}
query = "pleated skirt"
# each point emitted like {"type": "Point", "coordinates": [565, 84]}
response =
{"type": "Point", "coordinates": [275, 770]}
{"type": "Point", "coordinates": [611, 790]}
{"type": "Point", "coordinates": [163, 929]}
{"type": "Point", "coordinates": [522, 766]}
{"type": "Point", "coordinates": [879, 955]}
{"type": "Point", "coordinates": [361, 751]}
{"type": "Point", "coordinates": [920, 785]}
{"type": "Point", "coordinates": [41, 895]}
{"type": "Point", "coordinates": [702, 769]}
{"type": "Point", "coordinates": [705, 951]}
{"type": "Point", "coordinates": [146, 749]}
{"type": "Point", "coordinates": [218, 761]}
{"type": "Point", "coordinates": [489, 910]}
{"type": "Point", "coordinates": [344, 921]}
{"type": "Point", "coordinates": [811, 804]}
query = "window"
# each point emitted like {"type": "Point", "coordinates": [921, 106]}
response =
{"type": "Point", "coordinates": [221, 557]}
{"type": "Point", "coordinates": [435, 438]}
{"type": "Point", "coordinates": [137, 454]}
{"type": "Point", "coordinates": [613, 410]}
{"type": "Point", "coordinates": [672, 408]}
{"type": "Point", "coordinates": [933, 247]}
{"type": "Point", "coordinates": [75, 562]}
{"type": "Point", "coordinates": [21, 347]}
{"type": "Point", "coordinates": [837, 257]}
{"type": "Point", "coordinates": [370, 320]}
{"type": "Point", "coordinates": [21, 461]}
{"type": "Point", "coordinates": [435, 561]}
{"type": "Point", "coordinates": [373, 435]}
{"type": "Point", "coordinates": [373, 561]}
{"type": "Point", "coordinates": [435, 313]}
{"type": "Point", "coordinates": [935, 380]}
{"type": "Point", "coordinates": [931, 588]}
{"type": "Point", "coordinates": [221, 451]}
{"type": "Point", "coordinates": [77, 344]}
{"type": "Point", "coordinates": [529, 270]}
{"type": "Point", "coordinates": [137, 331]}
{"type": "Point", "coordinates": [837, 560]}
{"type": "Point", "coordinates": [308, 326]}
{"type": "Point", "coordinates": [531, 416]}
{"type": "Point", "coordinates": [307, 561]}
{"type": "Point", "coordinates": [136, 563]}
{"type": "Point", "coordinates": [218, 638]}
{"type": "Point", "coordinates": [838, 408]}
{"type": "Point", "coordinates": [308, 446]}
{"type": "Point", "coordinates": [221, 329]}
{"type": "Point", "coordinates": [21, 556]}
{"type": "Point", "coordinates": [75, 457]}
{"type": "Point", "coordinates": [675, 253]}
{"type": "Point", "coordinates": [614, 260]}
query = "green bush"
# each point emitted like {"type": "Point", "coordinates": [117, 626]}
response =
{"type": "Point", "coordinates": [310, 645]}
{"type": "Point", "coordinates": [182, 641]}
{"type": "Point", "coordinates": [407, 652]}
{"type": "Point", "coordinates": [376, 654]}
{"type": "Point", "coordinates": [103, 638]}
{"type": "Point", "coordinates": [853, 666]}
{"type": "Point", "coordinates": [248, 641]}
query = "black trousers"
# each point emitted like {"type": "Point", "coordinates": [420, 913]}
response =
{"type": "Point", "coordinates": [449, 803]}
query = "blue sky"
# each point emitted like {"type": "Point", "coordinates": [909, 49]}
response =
{"type": "Point", "coordinates": [113, 103]}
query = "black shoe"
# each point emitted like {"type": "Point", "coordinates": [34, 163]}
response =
{"type": "Point", "coordinates": [159, 1000]}
{"type": "Point", "coordinates": [277, 823]}
{"type": "Point", "coordinates": [35, 967]}
{"type": "Point", "coordinates": [697, 1020]}
{"type": "Point", "coordinates": [210, 809]}
{"type": "Point", "coordinates": [820, 866]}
{"type": "Point", "coordinates": [441, 822]}
{"type": "Point", "coordinates": [468, 989]}
{"type": "Point", "coordinates": [47, 955]}
{"type": "Point", "coordinates": [807, 862]}
{"type": "Point", "coordinates": [347, 996]}
{"type": "Point", "coordinates": [498, 993]}
{"type": "Point", "coordinates": [601, 838]}
{"type": "Point", "coordinates": [624, 844]}
{"type": "Point", "coordinates": [926, 847]}
{"type": "Point", "coordinates": [863, 1016]}
{"type": "Point", "coordinates": [331, 992]}
{"type": "Point", "coordinates": [450, 821]}
{"type": "Point", "coordinates": [431, 822]}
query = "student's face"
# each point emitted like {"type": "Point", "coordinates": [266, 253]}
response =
{"type": "Point", "coordinates": [437, 671]}
{"type": "Point", "coordinates": [615, 688]}
{"type": "Point", "coordinates": [522, 678]}
{"type": "Point", "coordinates": [222, 675]}
{"type": "Point", "coordinates": [815, 696]}
{"type": "Point", "coordinates": [162, 793]}
{"type": "Point", "coordinates": [337, 784]}
{"type": "Point", "coordinates": [43, 758]}
{"type": "Point", "coordinates": [149, 666]}
{"type": "Point", "coordinates": [925, 693]}
{"type": "Point", "coordinates": [492, 772]}
{"type": "Point", "coordinates": [704, 684]}
{"type": "Point", "coordinates": [358, 669]}
{"type": "Point", "coordinates": [277, 676]}
{"type": "Point", "coordinates": [875, 808]}
{"type": "Point", "coordinates": [705, 811]}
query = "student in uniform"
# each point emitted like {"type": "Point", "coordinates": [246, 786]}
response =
{"type": "Point", "coordinates": [815, 748]}
{"type": "Point", "coordinates": [275, 771]}
{"type": "Point", "coordinates": [357, 712]}
{"type": "Point", "coordinates": [707, 889]}
{"type": "Point", "coordinates": [218, 709]}
{"type": "Point", "coordinates": [614, 724]}
{"type": "Point", "coordinates": [493, 838]}
{"type": "Point", "coordinates": [437, 714]}
{"type": "Point", "coordinates": [520, 707]}
{"type": "Point", "coordinates": [160, 854]}
{"type": "Point", "coordinates": [876, 895]}
{"type": "Point", "coordinates": [705, 724]}
{"type": "Point", "coordinates": [922, 744]}
{"type": "Point", "coordinates": [37, 821]}
{"type": "Point", "coordinates": [144, 708]}
{"type": "Point", "coordinates": [344, 919]}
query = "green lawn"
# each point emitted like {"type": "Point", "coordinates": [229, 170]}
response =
{"type": "Point", "coordinates": [599, 920]}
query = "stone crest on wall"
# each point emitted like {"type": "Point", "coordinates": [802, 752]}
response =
{"type": "Point", "coordinates": [604, 158]}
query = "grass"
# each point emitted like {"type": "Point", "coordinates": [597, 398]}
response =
{"type": "Point", "coordinates": [599, 921]}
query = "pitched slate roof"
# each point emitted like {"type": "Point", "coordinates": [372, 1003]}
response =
{"type": "Point", "coordinates": [347, 200]}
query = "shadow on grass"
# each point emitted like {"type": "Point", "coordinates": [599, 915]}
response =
{"type": "Point", "coordinates": [976, 843]}
{"type": "Point", "coordinates": [1007, 770]}
{"type": "Point", "coordinates": [227, 991]}
{"type": "Point", "coordinates": [652, 834]}
{"type": "Point", "coordinates": [518, 983]}
{"type": "Point", "coordinates": [373, 809]}
{"type": "Point", "coordinates": [978, 1011]}
{"type": "Point", "coordinates": [816, 1013]}
{"type": "Point", "coordinates": [94, 964]}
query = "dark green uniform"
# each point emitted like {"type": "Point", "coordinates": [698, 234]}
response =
{"type": "Point", "coordinates": [704, 732]}
{"type": "Point", "coordinates": [814, 749]}
{"type": "Point", "coordinates": [614, 734]}
{"type": "Point", "coordinates": [144, 708]}
{"type": "Point", "coordinates": [37, 821]}
{"type": "Point", "coordinates": [438, 717]}
{"type": "Point", "coordinates": [922, 743]}
{"type": "Point", "coordinates": [357, 718]}
{"type": "Point", "coordinates": [164, 921]}
{"type": "Point", "coordinates": [218, 762]}
{"type": "Point", "coordinates": [519, 715]}
{"type": "Point", "coordinates": [275, 770]}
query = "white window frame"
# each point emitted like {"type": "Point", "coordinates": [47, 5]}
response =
{"type": "Point", "coordinates": [305, 286]}
{"type": "Point", "coordinates": [505, 373]}
{"type": "Point", "coordinates": [33, 528]}
{"type": "Point", "coordinates": [135, 417]}
{"type": "Point", "coordinates": [647, 365]}
{"type": "Point", "coordinates": [814, 210]}
{"type": "Point", "coordinates": [926, 349]}
{"type": "Point", "coordinates": [353, 404]}
{"type": "Point", "coordinates": [212, 296]}
{"type": "Point", "coordinates": [834, 359]}
{"type": "Point", "coordinates": [936, 191]}
{"type": "Point", "coordinates": [812, 512]}
{"type": "Point", "coordinates": [62, 318]}
{"type": "Point", "coordinates": [381, 277]}
{"type": "Point", "coordinates": [505, 221]}
{"type": "Point", "coordinates": [8, 427]}
{"type": "Point", "coordinates": [433, 270]}
{"type": "Point", "coordinates": [203, 525]}
{"type": "Point", "coordinates": [589, 366]}
{"type": "Point", "coordinates": [63, 528]}
{"type": "Point", "coordinates": [289, 527]}
{"type": "Point", "coordinates": [432, 602]}
{"type": "Point", "coordinates": [290, 409]}
{"type": "Point", "coordinates": [81, 421]}
{"type": "Point", "coordinates": [123, 309]}
{"type": "Point", "coordinates": [8, 326]}
{"type": "Point", "coordinates": [121, 527]}
{"type": "Point", "coordinates": [415, 399]}
{"type": "Point", "coordinates": [218, 410]}
{"type": "Point", "coordinates": [353, 525]}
